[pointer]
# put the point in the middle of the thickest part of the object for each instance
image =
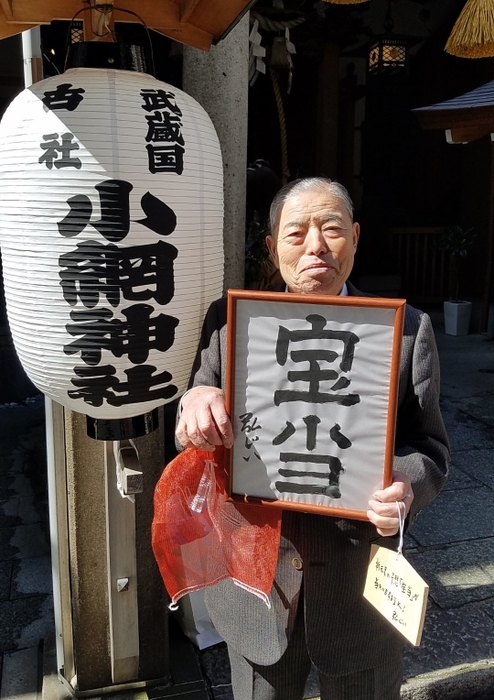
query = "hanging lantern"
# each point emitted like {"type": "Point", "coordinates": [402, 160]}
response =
{"type": "Point", "coordinates": [386, 54]}
{"type": "Point", "coordinates": [389, 51]}
{"type": "Point", "coordinates": [112, 237]}
{"type": "Point", "coordinates": [473, 33]}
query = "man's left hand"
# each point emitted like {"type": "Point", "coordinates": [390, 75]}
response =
{"type": "Point", "coordinates": [383, 510]}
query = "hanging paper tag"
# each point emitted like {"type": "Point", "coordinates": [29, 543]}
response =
{"type": "Point", "coordinates": [260, 65]}
{"type": "Point", "coordinates": [255, 36]}
{"type": "Point", "coordinates": [258, 50]}
{"type": "Point", "coordinates": [396, 590]}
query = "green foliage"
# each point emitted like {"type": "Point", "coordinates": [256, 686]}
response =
{"type": "Point", "coordinates": [256, 251]}
{"type": "Point", "coordinates": [455, 240]}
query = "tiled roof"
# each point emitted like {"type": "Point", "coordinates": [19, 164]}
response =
{"type": "Point", "coordinates": [482, 96]}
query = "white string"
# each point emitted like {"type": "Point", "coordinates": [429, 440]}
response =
{"type": "Point", "coordinates": [401, 519]}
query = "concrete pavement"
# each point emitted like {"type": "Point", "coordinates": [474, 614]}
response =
{"type": "Point", "coordinates": [451, 545]}
{"type": "Point", "coordinates": [26, 602]}
{"type": "Point", "coordinates": [452, 542]}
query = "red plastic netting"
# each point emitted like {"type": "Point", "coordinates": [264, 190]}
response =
{"type": "Point", "coordinates": [199, 539]}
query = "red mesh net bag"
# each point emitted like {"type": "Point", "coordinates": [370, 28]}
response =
{"type": "Point", "coordinates": [200, 539]}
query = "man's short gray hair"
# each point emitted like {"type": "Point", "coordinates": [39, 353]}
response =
{"type": "Point", "coordinates": [306, 184]}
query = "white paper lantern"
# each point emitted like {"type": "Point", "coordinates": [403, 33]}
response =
{"type": "Point", "coordinates": [111, 221]}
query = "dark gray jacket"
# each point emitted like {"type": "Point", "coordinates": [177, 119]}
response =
{"type": "Point", "coordinates": [344, 632]}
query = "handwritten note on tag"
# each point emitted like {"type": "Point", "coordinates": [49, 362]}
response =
{"type": "Point", "coordinates": [396, 590]}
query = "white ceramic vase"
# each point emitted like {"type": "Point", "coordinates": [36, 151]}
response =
{"type": "Point", "coordinates": [457, 317]}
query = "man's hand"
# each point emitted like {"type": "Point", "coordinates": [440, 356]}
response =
{"type": "Point", "coordinates": [383, 510]}
{"type": "Point", "coordinates": [204, 422]}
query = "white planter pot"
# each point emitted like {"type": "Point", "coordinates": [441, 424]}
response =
{"type": "Point", "coordinates": [457, 317]}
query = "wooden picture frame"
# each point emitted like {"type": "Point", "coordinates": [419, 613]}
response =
{"type": "Point", "coordinates": [312, 388]}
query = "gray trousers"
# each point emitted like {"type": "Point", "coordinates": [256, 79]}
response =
{"type": "Point", "coordinates": [286, 679]}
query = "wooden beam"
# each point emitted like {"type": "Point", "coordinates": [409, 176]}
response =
{"type": "Point", "coordinates": [210, 16]}
{"type": "Point", "coordinates": [215, 16]}
{"type": "Point", "coordinates": [30, 11]}
{"type": "Point", "coordinates": [189, 35]}
{"type": "Point", "coordinates": [7, 8]}
{"type": "Point", "coordinates": [467, 134]}
{"type": "Point", "coordinates": [166, 13]}
{"type": "Point", "coordinates": [193, 22]}
{"type": "Point", "coordinates": [457, 118]}
{"type": "Point", "coordinates": [186, 9]}
{"type": "Point", "coordinates": [8, 29]}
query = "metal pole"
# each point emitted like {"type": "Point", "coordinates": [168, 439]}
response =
{"type": "Point", "coordinates": [31, 54]}
{"type": "Point", "coordinates": [59, 538]}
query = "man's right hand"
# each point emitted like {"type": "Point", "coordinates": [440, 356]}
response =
{"type": "Point", "coordinates": [204, 422]}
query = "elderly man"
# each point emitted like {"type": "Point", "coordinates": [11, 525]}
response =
{"type": "Point", "coordinates": [318, 613]}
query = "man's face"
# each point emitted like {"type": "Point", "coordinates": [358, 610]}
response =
{"type": "Point", "coordinates": [315, 244]}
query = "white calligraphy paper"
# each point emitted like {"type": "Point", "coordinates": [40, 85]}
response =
{"type": "Point", "coordinates": [311, 388]}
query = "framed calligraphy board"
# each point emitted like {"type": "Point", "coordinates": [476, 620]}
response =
{"type": "Point", "coordinates": [312, 386]}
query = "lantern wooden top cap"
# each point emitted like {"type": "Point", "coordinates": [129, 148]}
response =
{"type": "Point", "coordinates": [196, 23]}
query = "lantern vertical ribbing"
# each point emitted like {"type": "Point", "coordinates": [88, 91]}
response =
{"type": "Point", "coordinates": [112, 200]}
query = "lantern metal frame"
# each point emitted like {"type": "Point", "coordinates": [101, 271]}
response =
{"type": "Point", "coordinates": [389, 52]}
{"type": "Point", "coordinates": [80, 53]}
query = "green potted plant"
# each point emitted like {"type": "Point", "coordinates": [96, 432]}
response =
{"type": "Point", "coordinates": [256, 252]}
{"type": "Point", "coordinates": [455, 241]}
{"type": "Point", "coordinates": [260, 271]}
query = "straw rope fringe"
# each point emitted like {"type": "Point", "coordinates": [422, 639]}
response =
{"type": "Point", "coordinates": [285, 173]}
{"type": "Point", "coordinates": [473, 33]}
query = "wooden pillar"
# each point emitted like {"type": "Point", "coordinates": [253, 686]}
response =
{"type": "Point", "coordinates": [346, 128]}
{"type": "Point", "coordinates": [327, 112]}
